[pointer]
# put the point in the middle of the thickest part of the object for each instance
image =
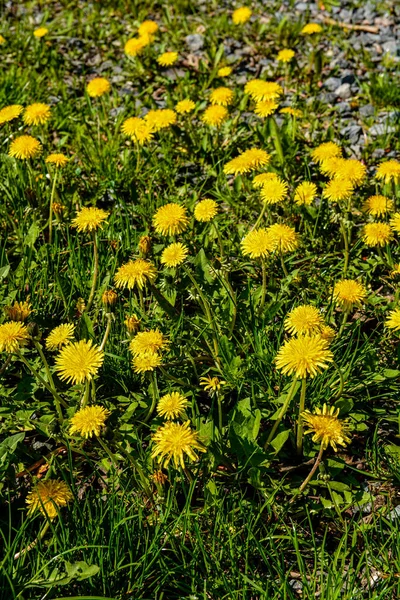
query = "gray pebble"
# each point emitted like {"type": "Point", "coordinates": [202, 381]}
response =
{"type": "Point", "coordinates": [391, 47]}
{"type": "Point", "coordinates": [195, 41]}
{"type": "Point", "coordinates": [343, 108]}
{"type": "Point", "coordinates": [367, 110]}
{"type": "Point", "coordinates": [381, 129]}
{"type": "Point", "coordinates": [343, 91]}
{"type": "Point", "coordinates": [351, 133]}
{"type": "Point", "coordinates": [332, 83]}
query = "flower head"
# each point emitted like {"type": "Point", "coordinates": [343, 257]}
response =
{"type": "Point", "coordinates": [241, 15]}
{"type": "Point", "coordinates": [148, 28]}
{"type": "Point", "coordinates": [326, 150]}
{"type": "Point", "coordinates": [135, 272]}
{"type": "Point", "coordinates": [260, 90]}
{"type": "Point", "coordinates": [327, 333]}
{"type": "Point", "coordinates": [338, 189]}
{"type": "Point", "coordinates": [160, 119]}
{"type": "Point", "coordinates": [174, 254]}
{"type": "Point", "coordinates": [224, 71]}
{"type": "Point", "coordinates": [89, 421]}
{"type": "Point", "coordinates": [170, 219]}
{"type": "Point", "coordinates": [311, 28]}
{"type": "Point", "coordinates": [289, 110]}
{"type": "Point", "coordinates": [393, 320]}
{"type": "Point", "coordinates": [247, 161]}
{"type": "Point", "coordinates": [59, 336]}
{"type": "Point", "coordinates": [40, 32]}
{"type": "Point", "coordinates": [19, 311]}
{"type": "Point", "coordinates": [8, 113]}
{"type": "Point", "coordinates": [2, 40]}
{"type": "Point", "coordinates": [351, 170]}
{"type": "Point", "coordinates": [395, 222]}
{"type": "Point", "coordinates": [148, 341]}
{"type": "Point", "coordinates": [185, 106]}
{"type": "Point", "coordinates": [25, 146]}
{"type": "Point", "coordinates": [146, 362]}
{"type": "Point", "coordinates": [265, 108]}
{"type": "Point", "coordinates": [173, 441]}
{"type": "Point", "coordinates": [283, 238]}
{"type": "Point", "coordinates": [262, 178]}
{"type": "Point", "coordinates": [326, 427]}
{"type": "Point", "coordinates": [285, 55]}
{"type": "Point", "coordinates": [274, 190]}
{"type": "Point", "coordinates": [305, 193]}
{"type": "Point", "coordinates": [79, 362]}
{"type": "Point", "coordinates": [214, 115]}
{"type": "Point", "coordinates": [58, 159]}
{"type": "Point", "coordinates": [144, 245]}
{"type": "Point", "coordinates": [257, 243]}
{"type": "Point", "coordinates": [172, 405]}
{"type": "Point", "coordinates": [37, 114]}
{"type": "Point", "coordinates": [330, 166]}
{"type": "Point", "coordinates": [377, 206]}
{"type": "Point", "coordinates": [167, 59]}
{"type": "Point", "coordinates": [109, 299]}
{"type": "Point", "coordinates": [304, 356]}
{"type": "Point", "coordinates": [132, 323]}
{"type": "Point", "coordinates": [377, 234]}
{"type": "Point", "coordinates": [135, 45]}
{"type": "Point", "coordinates": [222, 96]}
{"type": "Point", "coordinates": [349, 292]}
{"type": "Point", "coordinates": [13, 335]}
{"type": "Point", "coordinates": [303, 319]}
{"type": "Point", "coordinates": [98, 86]}
{"type": "Point", "coordinates": [389, 171]}
{"type": "Point", "coordinates": [89, 218]}
{"type": "Point", "coordinates": [211, 384]}
{"type": "Point", "coordinates": [48, 496]}
{"type": "Point", "coordinates": [138, 129]}
{"type": "Point", "coordinates": [205, 210]}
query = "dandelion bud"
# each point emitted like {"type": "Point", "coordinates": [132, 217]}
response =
{"type": "Point", "coordinates": [19, 311]}
{"type": "Point", "coordinates": [109, 298]}
{"type": "Point", "coordinates": [132, 324]}
{"type": "Point", "coordinates": [80, 306]}
{"type": "Point", "coordinates": [145, 244]}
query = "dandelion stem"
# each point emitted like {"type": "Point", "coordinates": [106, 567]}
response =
{"type": "Point", "coordinates": [53, 189]}
{"type": "Point", "coordinates": [49, 377]}
{"type": "Point", "coordinates": [309, 476]}
{"type": "Point", "coordinates": [107, 331]}
{"type": "Point", "coordinates": [40, 536]}
{"type": "Point", "coordinates": [262, 213]}
{"type": "Point", "coordinates": [285, 271]}
{"type": "Point", "coordinates": [108, 451]}
{"type": "Point", "coordinates": [154, 390]}
{"type": "Point", "coordinates": [264, 286]}
{"type": "Point", "coordinates": [85, 398]}
{"type": "Point", "coordinates": [344, 321]}
{"type": "Point", "coordinates": [219, 402]}
{"type": "Point", "coordinates": [299, 442]}
{"type": "Point", "coordinates": [221, 248]}
{"type": "Point", "coordinates": [346, 248]}
{"type": "Point", "coordinates": [283, 411]}
{"type": "Point", "coordinates": [59, 400]}
{"type": "Point", "coordinates": [95, 273]}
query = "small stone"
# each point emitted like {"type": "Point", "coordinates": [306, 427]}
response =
{"type": "Point", "coordinates": [351, 133]}
{"type": "Point", "coordinates": [332, 83]}
{"type": "Point", "coordinates": [378, 153]}
{"type": "Point", "coordinates": [392, 47]}
{"type": "Point", "coordinates": [381, 129]}
{"type": "Point", "coordinates": [195, 41]}
{"type": "Point", "coordinates": [343, 108]}
{"type": "Point", "coordinates": [343, 91]}
{"type": "Point", "coordinates": [302, 6]}
{"type": "Point", "coordinates": [327, 98]}
{"type": "Point", "coordinates": [395, 513]}
{"type": "Point", "coordinates": [367, 110]}
{"type": "Point", "coordinates": [349, 78]}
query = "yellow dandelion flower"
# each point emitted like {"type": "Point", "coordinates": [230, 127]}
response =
{"type": "Point", "coordinates": [214, 115]}
{"type": "Point", "coordinates": [98, 86]}
{"type": "Point", "coordinates": [294, 112]}
{"type": "Point", "coordinates": [241, 15]}
{"type": "Point", "coordinates": [167, 59]}
{"type": "Point", "coordinates": [338, 189]}
{"type": "Point", "coordinates": [2, 40]}
{"type": "Point", "coordinates": [262, 178]}
{"type": "Point", "coordinates": [327, 333]}
{"type": "Point", "coordinates": [24, 147]}
{"type": "Point", "coordinates": [146, 362]}
{"type": "Point", "coordinates": [79, 362]}
{"type": "Point", "coordinates": [304, 356]}
{"type": "Point", "coordinates": [326, 428]}
{"type": "Point", "coordinates": [257, 243]}
{"type": "Point", "coordinates": [330, 166]}
{"type": "Point", "coordinates": [205, 210]}
{"type": "Point", "coordinates": [326, 150]}
{"type": "Point", "coordinates": [377, 234]}
{"type": "Point", "coordinates": [173, 441]}
{"type": "Point", "coordinates": [395, 222]}
{"type": "Point", "coordinates": [389, 171]}
{"type": "Point", "coordinates": [109, 299]}
{"type": "Point", "coordinates": [138, 129]}
{"type": "Point", "coordinates": [265, 108]}
{"type": "Point", "coordinates": [135, 45]}
{"type": "Point", "coordinates": [222, 96]}
{"type": "Point", "coordinates": [160, 119]}
{"type": "Point", "coordinates": [303, 319]}
{"type": "Point", "coordinates": [48, 497]}
{"type": "Point", "coordinates": [135, 272]}
{"type": "Point", "coordinates": [37, 114]}
{"type": "Point", "coordinates": [174, 255]}
{"type": "Point", "coordinates": [59, 336]}
{"type": "Point", "coordinates": [172, 405]}
{"type": "Point", "coordinates": [89, 218]}
{"type": "Point", "coordinates": [285, 55]}
{"type": "Point", "coordinates": [348, 293]}
{"type": "Point", "coordinates": [19, 311]}
{"type": "Point", "coordinates": [305, 193]}
{"type": "Point", "coordinates": [13, 335]}
{"type": "Point", "coordinates": [224, 71]}
{"type": "Point", "coordinates": [311, 28]}
{"type": "Point", "coordinates": [148, 341]}
{"type": "Point", "coordinates": [351, 170]}
{"type": "Point", "coordinates": [170, 219]}
{"type": "Point", "coordinates": [58, 159]}
{"type": "Point", "coordinates": [40, 32]}
{"type": "Point", "coordinates": [274, 191]}
{"type": "Point", "coordinates": [89, 421]}
{"type": "Point", "coordinates": [185, 106]}
{"type": "Point", "coordinates": [247, 161]}
{"type": "Point", "coordinates": [377, 206]}
{"type": "Point", "coordinates": [393, 320]}
{"type": "Point", "coordinates": [132, 323]}
{"type": "Point", "coordinates": [283, 238]}
{"type": "Point", "coordinates": [211, 384]}
{"type": "Point", "coordinates": [8, 113]}
{"type": "Point", "coordinates": [260, 90]}
{"type": "Point", "coordinates": [148, 28]}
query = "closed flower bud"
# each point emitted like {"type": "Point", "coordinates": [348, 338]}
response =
{"type": "Point", "coordinates": [109, 298]}
{"type": "Point", "coordinates": [145, 244]}
{"type": "Point", "coordinates": [132, 323]}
